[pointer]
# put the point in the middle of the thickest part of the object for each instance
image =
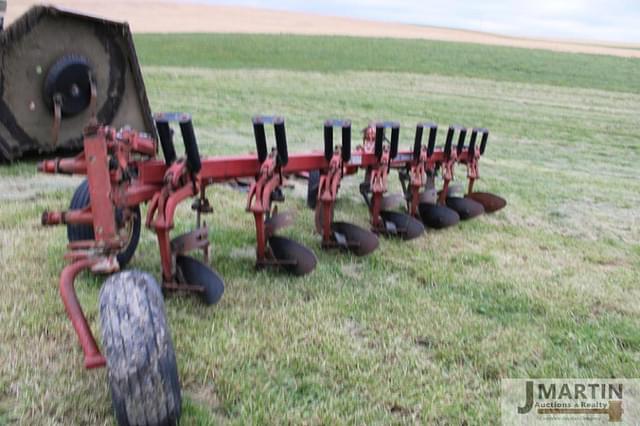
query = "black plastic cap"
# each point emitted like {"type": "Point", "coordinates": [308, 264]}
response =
{"type": "Point", "coordinates": [328, 142]}
{"type": "Point", "coordinates": [433, 131]}
{"type": "Point", "coordinates": [345, 126]}
{"type": "Point", "coordinates": [261, 141]}
{"type": "Point", "coordinates": [395, 140]}
{"type": "Point", "coordinates": [472, 142]}
{"type": "Point", "coordinates": [485, 137]}
{"type": "Point", "coordinates": [346, 142]}
{"type": "Point", "coordinates": [417, 144]}
{"type": "Point", "coordinates": [281, 141]}
{"type": "Point", "coordinates": [261, 138]}
{"type": "Point", "coordinates": [166, 142]}
{"type": "Point", "coordinates": [447, 144]}
{"type": "Point", "coordinates": [190, 146]}
{"type": "Point", "coordinates": [379, 140]}
{"type": "Point", "coordinates": [461, 137]}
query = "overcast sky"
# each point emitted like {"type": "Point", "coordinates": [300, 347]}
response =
{"type": "Point", "coordinates": [605, 20]}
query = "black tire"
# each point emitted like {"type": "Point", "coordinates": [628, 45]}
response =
{"type": "Point", "coordinates": [141, 361]}
{"type": "Point", "coordinates": [81, 199]}
{"type": "Point", "coordinates": [313, 185]}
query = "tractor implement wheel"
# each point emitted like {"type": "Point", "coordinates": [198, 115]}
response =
{"type": "Point", "coordinates": [197, 273]}
{"type": "Point", "coordinates": [80, 200]}
{"type": "Point", "coordinates": [141, 362]}
{"type": "Point", "coordinates": [292, 256]}
{"type": "Point", "coordinates": [402, 225]}
{"type": "Point", "coordinates": [490, 202]}
{"type": "Point", "coordinates": [436, 216]}
{"type": "Point", "coordinates": [358, 240]}
{"type": "Point", "coordinates": [465, 207]}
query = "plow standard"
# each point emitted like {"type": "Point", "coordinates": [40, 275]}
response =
{"type": "Point", "coordinates": [69, 84]}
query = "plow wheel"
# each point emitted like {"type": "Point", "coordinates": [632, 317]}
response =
{"type": "Point", "coordinates": [197, 273]}
{"type": "Point", "coordinates": [402, 225]}
{"type": "Point", "coordinates": [436, 216]}
{"type": "Point", "coordinates": [292, 256]}
{"type": "Point", "coordinates": [130, 226]}
{"type": "Point", "coordinates": [141, 362]}
{"type": "Point", "coordinates": [358, 240]}
{"type": "Point", "coordinates": [490, 202]}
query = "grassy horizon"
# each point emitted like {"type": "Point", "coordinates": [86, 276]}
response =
{"type": "Point", "coordinates": [345, 53]}
{"type": "Point", "coordinates": [417, 332]}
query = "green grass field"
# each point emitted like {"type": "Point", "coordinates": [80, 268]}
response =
{"type": "Point", "coordinates": [418, 332]}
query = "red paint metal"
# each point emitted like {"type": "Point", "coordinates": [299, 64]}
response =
{"type": "Point", "coordinates": [92, 356]}
{"type": "Point", "coordinates": [95, 150]}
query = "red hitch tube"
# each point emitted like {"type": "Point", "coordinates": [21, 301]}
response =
{"type": "Point", "coordinates": [71, 166]}
{"type": "Point", "coordinates": [71, 217]}
{"type": "Point", "coordinates": [92, 356]}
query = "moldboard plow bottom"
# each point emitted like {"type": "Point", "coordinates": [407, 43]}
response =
{"type": "Point", "coordinates": [337, 234]}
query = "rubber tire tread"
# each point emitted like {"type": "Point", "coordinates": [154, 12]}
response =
{"type": "Point", "coordinates": [141, 361]}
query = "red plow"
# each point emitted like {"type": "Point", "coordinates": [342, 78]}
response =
{"type": "Point", "coordinates": [84, 69]}
{"type": "Point", "coordinates": [123, 171]}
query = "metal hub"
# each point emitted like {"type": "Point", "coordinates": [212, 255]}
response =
{"type": "Point", "coordinates": [69, 83]}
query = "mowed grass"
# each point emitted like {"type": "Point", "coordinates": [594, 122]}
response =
{"type": "Point", "coordinates": [418, 332]}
